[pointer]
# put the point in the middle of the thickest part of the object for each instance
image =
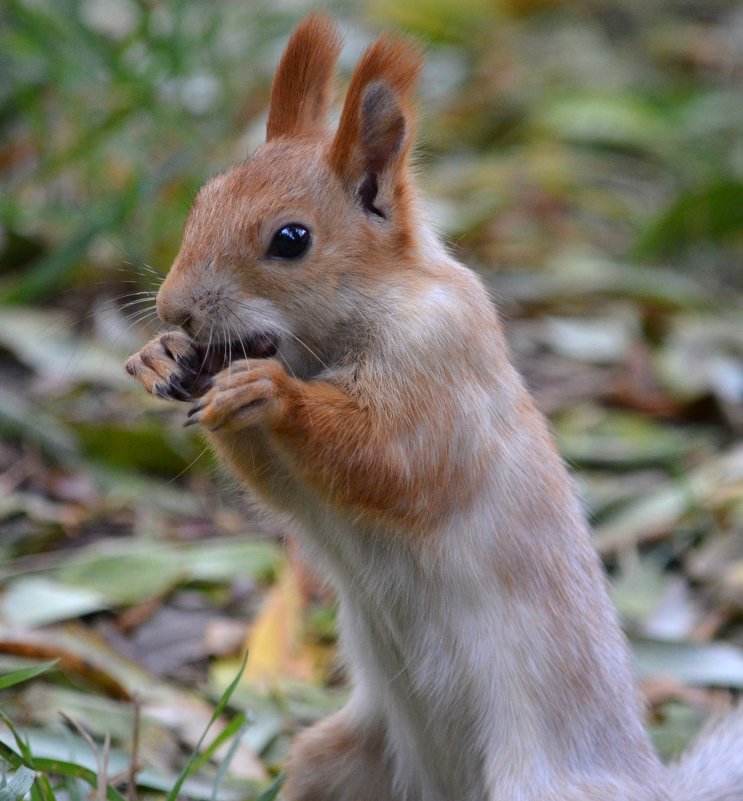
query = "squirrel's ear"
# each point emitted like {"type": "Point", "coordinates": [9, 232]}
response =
{"type": "Point", "coordinates": [301, 92]}
{"type": "Point", "coordinates": [370, 148]}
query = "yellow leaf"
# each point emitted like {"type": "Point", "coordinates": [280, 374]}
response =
{"type": "Point", "coordinates": [275, 640]}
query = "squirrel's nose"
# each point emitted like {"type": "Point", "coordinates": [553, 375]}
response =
{"type": "Point", "coordinates": [172, 313]}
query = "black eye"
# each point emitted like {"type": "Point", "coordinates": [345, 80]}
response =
{"type": "Point", "coordinates": [289, 242]}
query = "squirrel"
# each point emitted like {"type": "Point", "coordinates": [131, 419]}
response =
{"type": "Point", "coordinates": [354, 375]}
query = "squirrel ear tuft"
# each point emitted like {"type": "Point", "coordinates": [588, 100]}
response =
{"type": "Point", "coordinates": [375, 131]}
{"type": "Point", "coordinates": [302, 88]}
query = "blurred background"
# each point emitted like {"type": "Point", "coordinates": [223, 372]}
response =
{"type": "Point", "coordinates": [586, 157]}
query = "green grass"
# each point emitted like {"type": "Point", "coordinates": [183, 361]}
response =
{"type": "Point", "coordinates": [46, 779]}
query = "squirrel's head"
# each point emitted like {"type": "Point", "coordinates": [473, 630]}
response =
{"type": "Point", "coordinates": [277, 249]}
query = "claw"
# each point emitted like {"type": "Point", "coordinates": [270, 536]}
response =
{"type": "Point", "coordinates": [195, 409]}
{"type": "Point", "coordinates": [177, 391]}
{"type": "Point", "coordinates": [200, 386]}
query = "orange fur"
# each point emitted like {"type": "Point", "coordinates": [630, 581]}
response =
{"type": "Point", "coordinates": [340, 448]}
{"type": "Point", "coordinates": [391, 61]}
{"type": "Point", "coordinates": [385, 418]}
{"type": "Point", "coordinates": [302, 87]}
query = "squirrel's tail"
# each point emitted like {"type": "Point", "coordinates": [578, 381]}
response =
{"type": "Point", "coordinates": [712, 768]}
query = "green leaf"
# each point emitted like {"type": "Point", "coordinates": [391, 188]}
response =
{"type": "Point", "coordinates": [50, 272]}
{"type": "Point", "coordinates": [72, 771]}
{"type": "Point", "coordinates": [24, 674]}
{"type": "Point", "coordinates": [37, 600]}
{"type": "Point", "coordinates": [436, 20]}
{"type": "Point", "coordinates": [145, 446]}
{"type": "Point", "coordinates": [42, 789]}
{"type": "Point", "coordinates": [223, 559]}
{"type": "Point", "coordinates": [617, 121]}
{"type": "Point", "coordinates": [131, 570]}
{"type": "Point", "coordinates": [123, 577]}
{"type": "Point", "coordinates": [711, 213]}
{"type": "Point", "coordinates": [590, 435]}
{"type": "Point", "coordinates": [59, 767]}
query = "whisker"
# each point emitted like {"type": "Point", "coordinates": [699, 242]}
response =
{"type": "Point", "coordinates": [287, 366]}
{"type": "Point", "coordinates": [150, 293]}
{"type": "Point", "coordinates": [206, 353]}
{"type": "Point", "coordinates": [304, 345]}
{"type": "Point", "coordinates": [283, 330]}
{"type": "Point", "coordinates": [239, 323]}
{"type": "Point", "coordinates": [108, 283]}
{"type": "Point", "coordinates": [143, 266]}
{"type": "Point", "coordinates": [136, 302]}
{"type": "Point", "coordinates": [139, 270]}
{"type": "Point", "coordinates": [229, 354]}
{"type": "Point", "coordinates": [143, 269]}
{"type": "Point", "coordinates": [189, 466]}
{"type": "Point", "coordinates": [115, 301]}
{"type": "Point", "coordinates": [139, 317]}
{"type": "Point", "coordinates": [151, 269]}
{"type": "Point", "coordinates": [128, 315]}
{"type": "Point", "coordinates": [106, 313]}
{"type": "Point", "coordinates": [195, 336]}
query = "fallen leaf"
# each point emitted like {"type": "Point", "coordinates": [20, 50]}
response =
{"type": "Point", "coordinates": [36, 601]}
{"type": "Point", "coordinates": [275, 640]}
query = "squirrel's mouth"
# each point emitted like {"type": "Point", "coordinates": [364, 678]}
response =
{"type": "Point", "coordinates": [217, 356]}
{"type": "Point", "coordinates": [205, 361]}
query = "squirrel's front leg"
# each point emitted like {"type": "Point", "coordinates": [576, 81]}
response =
{"type": "Point", "coordinates": [331, 441]}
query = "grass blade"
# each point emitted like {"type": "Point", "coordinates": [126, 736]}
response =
{"type": "Point", "coordinates": [42, 789]}
{"type": "Point", "coordinates": [272, 793]}
{"type": "Point", "coordinates": [25, 753]}
{"type": "Point", "coordinates": [221, 704]}
{"type": "Point", "coordinates": [232, 729]}
{"type": "Point", "coordinates": [224, 765]}
{"type": "Point", "coordinates": [56, 766]}
{"type": "Point", "coordinates": [24, 674]}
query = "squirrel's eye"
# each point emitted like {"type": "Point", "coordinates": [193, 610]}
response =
{"type": "Point", "coordinates": [289, 242]}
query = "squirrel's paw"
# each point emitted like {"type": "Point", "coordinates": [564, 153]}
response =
{"type": "Point", "coordinates": [247, 392]}
{"type": "Point", "coordinates": [168, 367]}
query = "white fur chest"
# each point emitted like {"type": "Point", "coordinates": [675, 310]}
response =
{"type": "Point", "coordinates": [422, 636]}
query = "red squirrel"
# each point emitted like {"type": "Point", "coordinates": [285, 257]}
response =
{"type": "Point", "coordinates": [356, 377]}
